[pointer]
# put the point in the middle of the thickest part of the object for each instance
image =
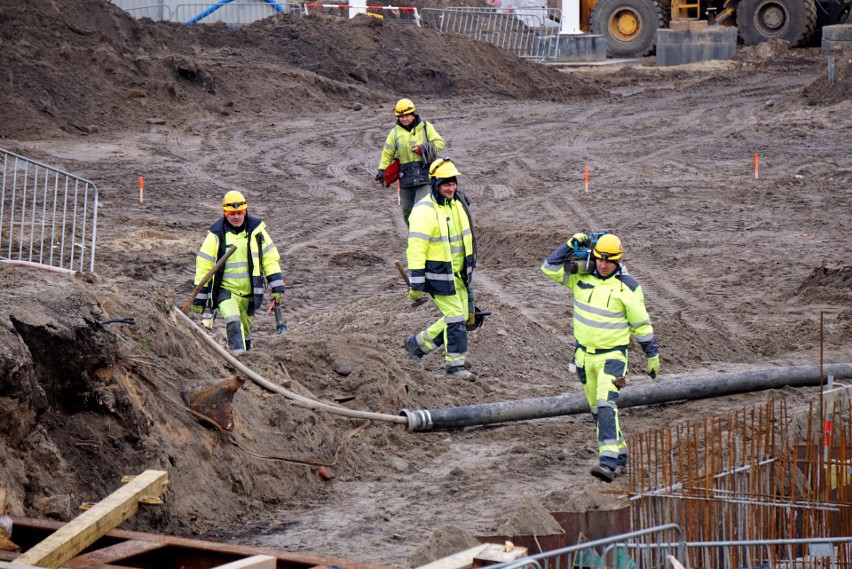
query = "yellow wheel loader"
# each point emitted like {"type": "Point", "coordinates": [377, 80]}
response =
{"type": "Point", "coordinates": [630, 26]}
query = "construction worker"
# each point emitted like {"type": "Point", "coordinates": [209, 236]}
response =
{"type": "Point", "coordinates": [415, 144]}
{"type": "Point", "coordinates": [237, 288]}
{"type": "Point", "coordinates": [441, 258]}
{"type": "Point", "coordinates": [609, 306]}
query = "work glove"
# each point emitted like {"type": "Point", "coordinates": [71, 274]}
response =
{"type": "Point", "coordinates": [414, 294]}
{"type": "Point", "coordinates": [578, 239]}
{"type": "Point", "coordinates": [380, 176]}
{"type": "Point", "coordinates": [471, 319]}
{"type": "Point", "coordinates": [198, 308]}
{"type": "Point", "coordinates": [417, 149]}
{"type": "Point", "coordinates": [278, 297]}
{"type": "Point", "coordinates": [654, 366]}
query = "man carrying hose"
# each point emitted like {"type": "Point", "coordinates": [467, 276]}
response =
{"type": "Point", "coordinates": [609, 307]}
{"type": "Point", "coordinates": [236, 290]}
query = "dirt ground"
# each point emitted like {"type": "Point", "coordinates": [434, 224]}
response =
{"type": "Point", "coordinates": [737, 270]}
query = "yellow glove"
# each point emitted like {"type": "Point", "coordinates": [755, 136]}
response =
{"type": "Point", "coordinates": [471, 318]}
{"type": "Point", "coordinates": [578, 239]}
{"type": "Point", "coordinates": [414, 294]}
{"type": "Point", "coordinates": [198, 308]}
{"type": "Point", "coordinates": [278, 297]}
{"type": "Point", "coordinates": [654, 366]}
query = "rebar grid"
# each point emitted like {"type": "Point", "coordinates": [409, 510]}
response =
{"type": "Point", "coordinates": [745, 477]}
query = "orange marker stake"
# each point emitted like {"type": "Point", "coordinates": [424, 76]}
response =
{"type": "Point", "coordinates": [586, 178]}
{"type": "Point", "coordinates": [756, 166]}
{"type": "Point", "coordinates": [141, 189]}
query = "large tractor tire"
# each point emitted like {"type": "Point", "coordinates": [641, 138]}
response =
{"type": "Point", "coordinates": [629, 26]}
{"type": "Point", "coordinates": [790, 20]}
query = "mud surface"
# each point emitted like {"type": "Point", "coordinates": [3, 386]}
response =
{"type": "Point", "coordinates": [738, 270]}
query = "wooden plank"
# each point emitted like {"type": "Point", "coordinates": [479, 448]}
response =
{"type": "Point", "coordinates": [207, 549]}
{"type": "Point", "coordinates": [113, 553]}
{"type": "Point", "coordinates": [460, 560]}
{"type": "Point", "coordinates": [88, 527]}
{"type": "Point", "coordinates": [2, 499]}
{"type": "Point", "coordinates": [16, 565]}
{"type": "Point", "coordinates": [254, 562]}
{"type": "Point", "coordinates": [496, 553]}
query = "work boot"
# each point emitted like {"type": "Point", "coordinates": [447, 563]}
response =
{"type": "Point", "coordinates": [604, 473]}
{"type": "Point", "coordinates": [461, 373]}
{"type": "Point", "coordinates": [414, 351]}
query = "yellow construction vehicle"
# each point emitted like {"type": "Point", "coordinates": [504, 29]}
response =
{"type": "Point", "coordinates": [630, 26]}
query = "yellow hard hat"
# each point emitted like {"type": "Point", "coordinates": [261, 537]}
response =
{"type": "Point", "coordinates": [404, 107]}
{"type": "Point", "coordinates": [608, 248]}
{"type": "Point", "coordinates": [443, 168]}
{"type": "Point", "coordinates": [234, 201]}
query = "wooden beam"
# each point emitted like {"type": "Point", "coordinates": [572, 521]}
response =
{"type": "Point", "coordinates": [88, 527]}
{"type": "Point", "coordinates": [254, 562]}
{"type": "Point", "coordinates": [460, 560]}
{"type": "Point", "coordinates": [113, 554]}
{"type": "Point", "coordinates": [16, 565]}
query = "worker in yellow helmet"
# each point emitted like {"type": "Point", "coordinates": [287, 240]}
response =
{"type": "Point", "coordinates": [609, 307]}
{"type": "Point", "coordinates": [441, 258]}
{"type": "Point", "coordinates": [236, 290]}
{"type": "Point", "coordinates": [414, 143]}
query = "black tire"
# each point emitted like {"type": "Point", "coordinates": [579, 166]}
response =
{"type": "Point", "coordinates": [629, 26]}
{"type": "Point", "coordinates": [790, 20]}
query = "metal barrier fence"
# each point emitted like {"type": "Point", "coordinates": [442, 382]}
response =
{"type": "Point", "coordinates": [636, 550]}
{"type": "Point", "coordinates": [404, 15]}
{"type": "Point", "coordinates": [531, 33]}
{"type": "Point", "coordinates": [651, 549]}
{"type": "Point", "coordinates": [47, 216]}
{"type": "Point", "coordinates": [230, 13]}
{"type": "Point", "coordinates": [156, 12]}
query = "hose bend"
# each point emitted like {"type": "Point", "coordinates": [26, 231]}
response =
{"type": "Point", "coordinates": [266, 384]}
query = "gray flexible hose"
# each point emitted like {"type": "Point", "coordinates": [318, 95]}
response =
{"type": "Point", "coordinates": [649, 394]}
{"type": "Point", "coordinates": [296, 398]}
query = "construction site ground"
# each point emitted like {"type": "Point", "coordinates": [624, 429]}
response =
{"type": "Point", "coordinates": [739, 269]}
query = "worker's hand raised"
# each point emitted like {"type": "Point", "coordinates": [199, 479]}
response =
{"type": "Point", "coordinates": [198, 308]}
{"type": "Point", "coordinates": [654, 366]}
{"type": "Point", "coordinates": [414, 294]}
{"type": "Point", "coordinates": [578, 239]}
{"type": "Point", "coordinates": [278, 297]}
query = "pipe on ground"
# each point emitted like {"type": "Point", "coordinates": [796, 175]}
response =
{"type": "Point", "coordinates": [664, 392]}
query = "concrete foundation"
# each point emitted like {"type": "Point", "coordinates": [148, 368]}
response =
{"type": "Point", "coordinates": [837, 37]}
{"type": "Point", "coordinates": [678, 47]}
{"type": "Point", "coordinates": [581, 47]}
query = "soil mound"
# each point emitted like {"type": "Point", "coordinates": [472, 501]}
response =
{"type": "Point", "coordinates": [89, 66]}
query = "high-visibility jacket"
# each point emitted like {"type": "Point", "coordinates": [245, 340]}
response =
{"type": "Point", "coordinates": [241, 274]}
{"type": "Point", "coordinates": [606, 310]}
{"type": "Point", "coordinates": [399, 144]}
{"type": "Point", "coordinates": [440, 244]}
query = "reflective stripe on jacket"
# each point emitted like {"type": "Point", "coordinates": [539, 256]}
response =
{"type": "Point", "coordinates": [241, 272]}
{"type": "Point", "coordinates": [606, 311]}
{"type": "Point", "coordinates": [399, 144]}
{"type": "Point", "coordinates": [434, 252]}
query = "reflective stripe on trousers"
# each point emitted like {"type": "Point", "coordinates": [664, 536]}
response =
{"type": "Point", "coordinates": [234, 311]}
{"type": "Point", "coordinates": [600, 371]}
{"type": "Point", "coordinates": [449, 330]}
